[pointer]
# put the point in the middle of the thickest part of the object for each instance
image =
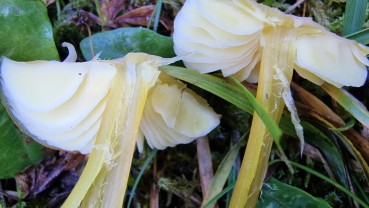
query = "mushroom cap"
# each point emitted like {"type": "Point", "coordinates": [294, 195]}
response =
{"type": "Point", "coordinates": [325, 57]}
{"type": "Point", "coordinates": [208, 41]}
{"type": "Point", "coordinates": [227, 35]}
{"type": "Point", "coordinates": [174, 115]}
{"type": "Point", "coordinates": [60, 104]}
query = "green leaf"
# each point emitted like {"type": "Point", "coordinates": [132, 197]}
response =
{"type": "Point", "coordinates": [117, 43]}
{"type": "Point", "coordinates": [16, 153]}
{"type": "Point", "coordinates": [276, 194]}
{"type": "Point", "coordinates": [354, 16]}
{"type": "Point", "coordinates": [26, 33]}
{"type": "Point", "coordinates": [326, 179]}
{"type": "Point", "coordinates": [346, 127]}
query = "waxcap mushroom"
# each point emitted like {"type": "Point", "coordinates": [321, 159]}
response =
{"type": "Point", "coordinates": [61, 104]}
{"type": "Point", "coordinates": [174, 114]}
{"type": "Point", "coordinates": [321, 56]}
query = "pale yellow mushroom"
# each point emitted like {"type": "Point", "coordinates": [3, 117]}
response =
{"type": "Point", "coordinates": [228, 36]}
{"type": "Point", "coordinates": [174, 114]}
{"type": "Point", "coordinates": [256, 43]}
{"type": "Point", "coordinates": [61, 104]}
{"type": "Point", "coordinates": [57, 103]}
{"type": "Point", "coordinates": [102, 107]}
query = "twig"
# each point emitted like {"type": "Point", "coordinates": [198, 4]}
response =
{"type": "Point", "coordinates": [205, 164]}
{"type": "Point", "coordinates": [90, 38]}
{"type": "Point", "coordinates": [294, 6]}
{"type": "Point", "coordinates": [154, 196]}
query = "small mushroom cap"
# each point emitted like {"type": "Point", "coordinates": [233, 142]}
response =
{"type": "Point", "coordinates": [60, 104]}
{"type": "Point", "coordinates": [175, 115]}
{"type": "Point", "coordinates": [327, 57]}
{"type": "Point", "coordinates": [209, 41]}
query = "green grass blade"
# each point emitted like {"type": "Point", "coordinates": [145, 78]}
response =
{"type": "Point", "coordinates": [213, 200]}
{"type": "Point", "coordinates": [354, 16]}
{"type": "Point", "coordinates": [215, 85]}
{"type": "Point", "coordinates": [271, 125]}
{"type": "Point", "coordinates": [223, 171]}
{"type": "Point", "coordinates": [157, 14]}
{"type": "Point", "coordinates": [237, 95]}
{"type": "Point", "coordinates": [361, 36]}
{"type": "Point", "coordinates": [143, 168]}
{"type": "Point", "coordinates": [349, 103]}
{"type": "Point", "coordinates": [361, 190]}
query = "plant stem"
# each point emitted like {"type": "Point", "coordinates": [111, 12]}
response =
{"type": "Point", "coordinates": [140, 174]}
{"type": "Point", "coordinates": [104, 180]}
{"type": "Point", "coordinates": [99, 13]}
{"type": "Point", "coordinates": [278, 53]}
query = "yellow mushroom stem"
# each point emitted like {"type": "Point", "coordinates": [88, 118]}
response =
{"type": "Point", "coordinates": [278, 55]}
{"type": "Point", "coordinates": [256, 43]}
{"type": "Point", "coordinates": [103, 181]}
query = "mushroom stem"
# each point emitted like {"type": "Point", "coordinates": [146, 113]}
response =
{"type": "Point", "coordinates": [278, 53]}
{"type": "Point", "coordinates": [104, 179]}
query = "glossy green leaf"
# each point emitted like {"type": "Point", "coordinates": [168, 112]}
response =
{"type": "Point", "coordinates": [26, 33]}
{"type": "Point", "coordinates": [354, 16]}
{"type": "Point", "coordinates": [16, 153]}
{"type": "Point", "coordinates": [117, 43]}
{"type": "Point", "coordinates": [277, 195]}
{"type": "Point", "coordinates": [326, 179]}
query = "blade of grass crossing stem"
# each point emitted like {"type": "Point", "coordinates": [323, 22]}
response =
{"type": "Point", "coordinates": [223, 170]}
{"type": "Point", "coordinates": [354, 16]}
{"type": "Point", "coordinates": [215, 199]}
{"type": "Point", "coordinates": [326, 179]}
{"type": "Point", "coordinates": [271, 125]}
{"type": "Point", "coordinates": [143, 168]}
{"type": "Point", "coordinates": [349, 103]}
{"type": "Point", "coordinates": [212, 84]}
{"type": "Point", "coordinates": [361, 36]}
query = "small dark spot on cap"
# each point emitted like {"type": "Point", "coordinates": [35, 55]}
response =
{"type": "Point", "coordinates": [79, 73]}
